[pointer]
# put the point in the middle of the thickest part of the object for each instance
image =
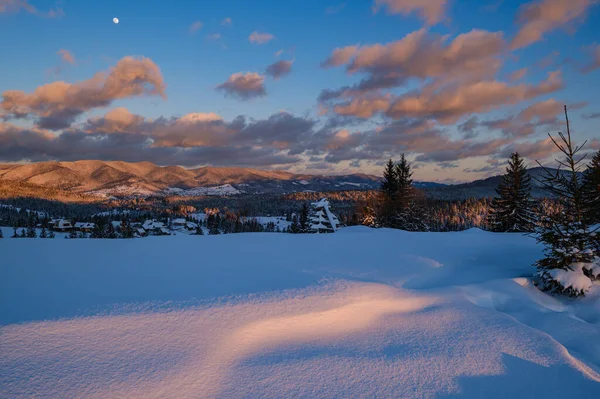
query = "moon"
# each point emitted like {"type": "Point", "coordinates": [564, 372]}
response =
{"type": "Point", "coordinates": [116, 20]}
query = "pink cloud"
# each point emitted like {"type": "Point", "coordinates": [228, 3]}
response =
{"type": "Point", "coordinates": [538, 18]}
{"type": "Point", "coordinates": [66, 56]}
{"type": "Point", "coordinates": [244, 85]}
{"type": "Point", "coordinates": [57, 104]}
{"type": "Point", "coordinates": [431, 11]}
{"type": "Point", "coordinates": [260, 38]}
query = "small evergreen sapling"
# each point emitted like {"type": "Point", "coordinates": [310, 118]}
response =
{"type": "Point", "coordinates": [570, 264]}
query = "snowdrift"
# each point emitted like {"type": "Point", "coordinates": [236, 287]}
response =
{"type": "Point", "coordinates": [358, 313]}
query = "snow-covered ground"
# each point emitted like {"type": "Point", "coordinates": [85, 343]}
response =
{"type": "Point", "coordinates": [360, 313]}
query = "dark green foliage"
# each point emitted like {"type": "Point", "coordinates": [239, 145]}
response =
{"type": "Point", "coordinates": [591, 190]}
{"type": "Point", "coordinates": [565, 234]}
{"type": "Point", "coordinates": [389, 184]}
{"type": "Point", "coordinates": [303, 221]}
{"type": "Point", "coordinates": [400, 205]}
{"type": "Point", "coordinates": [513, 209]}
{"type": "Point", "coordinates": [44, 233]}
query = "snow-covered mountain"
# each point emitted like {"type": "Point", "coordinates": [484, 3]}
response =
{"type": "Point", "coordinates": [144, 178]}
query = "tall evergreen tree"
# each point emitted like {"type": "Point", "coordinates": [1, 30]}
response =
{"type": "Point", "coordinates": [15, 234]}
{"type": "Point", "coordinates": [304, 220]}
{"type": "Point", "coordinates": [591, 190]}
{"type": "Point", "coordinates": [389, 184]}
{"type": "Point", "coordinates": [409, 212]}
{"type": "Point", "coordinates": [1, 235]}
{"type": "Point", "coordinates": [569, 263]}
{"type": "Point", "coordinates": [44, 233]}
{"type": "Point", "coordinates": [513, 209]}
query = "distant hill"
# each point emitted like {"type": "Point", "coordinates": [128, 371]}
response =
{"type": "Point", "coordinates": [485, 187]}
{"type": "Point", "coordinates": [144, 178]}
{"type": "Point", "coordinates": [115, 178]}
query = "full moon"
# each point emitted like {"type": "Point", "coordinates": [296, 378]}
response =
{"type": "Point", "coordinates": [116, 20]}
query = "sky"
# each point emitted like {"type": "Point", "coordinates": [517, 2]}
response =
{"type": "Point", "coordinates": [313, 86]}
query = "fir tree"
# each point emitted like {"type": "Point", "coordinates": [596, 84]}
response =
{"type": "Point", "coordinates": [23, 234]}
{"type": "Point", "coordinates": [409, 212]}
{"type": "Point", "coordinates": [513, 209]}
{"type": "Point", "coordinates": [15, 234]}
{"type": "Point", "coordinates": [51, 234]}
{"type": "Point", "coordinates": [110, 231]}
{"type": "Point", "coordinates": [591, 190]}
{"type": "Point", "coordinates": [126, 230]}
{"type": "Point", "coordinates": [389, 184]}
{"type": "Point", "coordinates": [199, 230]}
{"type": "Point", "coordinates": [304, 220]}
{"type": "Point", "coordinates": [31, 233]}
{"type": "Point", "coordinates": [569, 254]}
{"type": "Point", "coordinates": [43, 233]}
{"type": "Point", "coordinates": [1, 235]}
{"type": "Point", "coordinates": [295, 225]}
{"type": "Point", "coordinates": [73, 234]}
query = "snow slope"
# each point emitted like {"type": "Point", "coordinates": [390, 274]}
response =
{"type": "Point", "coordinates": [360, 313]}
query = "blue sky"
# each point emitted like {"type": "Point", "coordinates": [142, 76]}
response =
{"type": "Point", "coordinates": [287, 125]}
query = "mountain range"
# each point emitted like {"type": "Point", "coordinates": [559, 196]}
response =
{"type": "Point", "coordinates": [116, 178]}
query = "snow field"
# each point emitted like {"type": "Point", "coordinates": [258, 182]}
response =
{"type": "Point", "coordinates": [359, 313]}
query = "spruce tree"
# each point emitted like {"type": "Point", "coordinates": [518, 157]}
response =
{"type": "Point", "coordinates": [304, 219]}
{"type": "Point", "coordinates": [295, 225]}
{"type": "Point", "coordinates": [23, 234]}
{"type": "Point", "coordinates": [569, 263]}
{"type": "Point", "coordinates": [389, 184]}
{"type": "Point", "coordinates": [51, 234]}
{"type": "Point", "coordinates": [409, 212]}
{"type": "Point", "coordinates": [43, 233]}
{"type": "Point", "coordinates": [591, 190]}
{"type": "Point", "coordinates": [513, 209]}
{"type": "Point", "coordinates": [15, 234]}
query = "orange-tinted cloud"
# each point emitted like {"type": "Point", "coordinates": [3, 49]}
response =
{"type": "Point", "coordinates": [453, 102]}
{"type": "Point", "coordinates": [244, 85]}
{"type": "Point", "coordinates": [66, 56]}
{"type": "Point", "coordinates": [431, 11]}
{"type": "Point", "coordinates": [57, 104]}
{"type": "Point", "coordinates": [471, 56]}
{"type": "Point", "coordinates": [540, 17]}
{"type": "Point", "coordinates": [260, 38]}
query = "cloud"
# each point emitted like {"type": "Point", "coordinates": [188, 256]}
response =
{"type": "Point", "coordinates": [279, 69]}
{"type": "Point", "coordinates": [431, 11]}
{"type": "Point", "coordinates": [213, 36]}
{"type": "Point", "coordinates": [340, 56]}
{"type": "Point", "coordinates": [451, 103]}
{"type": "Point", "coordinates": [13, 6]}
{"type": "Point", "coordinates": [66, 56]}
{"type": "Point", "coordinates": [195, 26]}
{"type": "Point", "coordinates": [56, 105]}
{"type": "Point", "coordinates": [244, 85]}
{"type": "Point", "coordinates": [542, 114]}
{"type": "Point", "coordinates": [423, 55]}
{"type": "Point", "coordinates": [226, 22]}
{"type": "Point", "coordinates": [538, 18]}
{"type": "Point", "coordinates": [260, 38]}
{"type": "Point", "coordinates": [518, 74]}
{"type": "Point", "coordinates": [193, 139]}
{"type": "Point", "coordinates": [594, 63]}
{"type": "Point", "coordinates": [335, 9]}
{"type": "Point", "coordinates": [593, 115]}
{"type": "Point", "coordinates": [536, 150]}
